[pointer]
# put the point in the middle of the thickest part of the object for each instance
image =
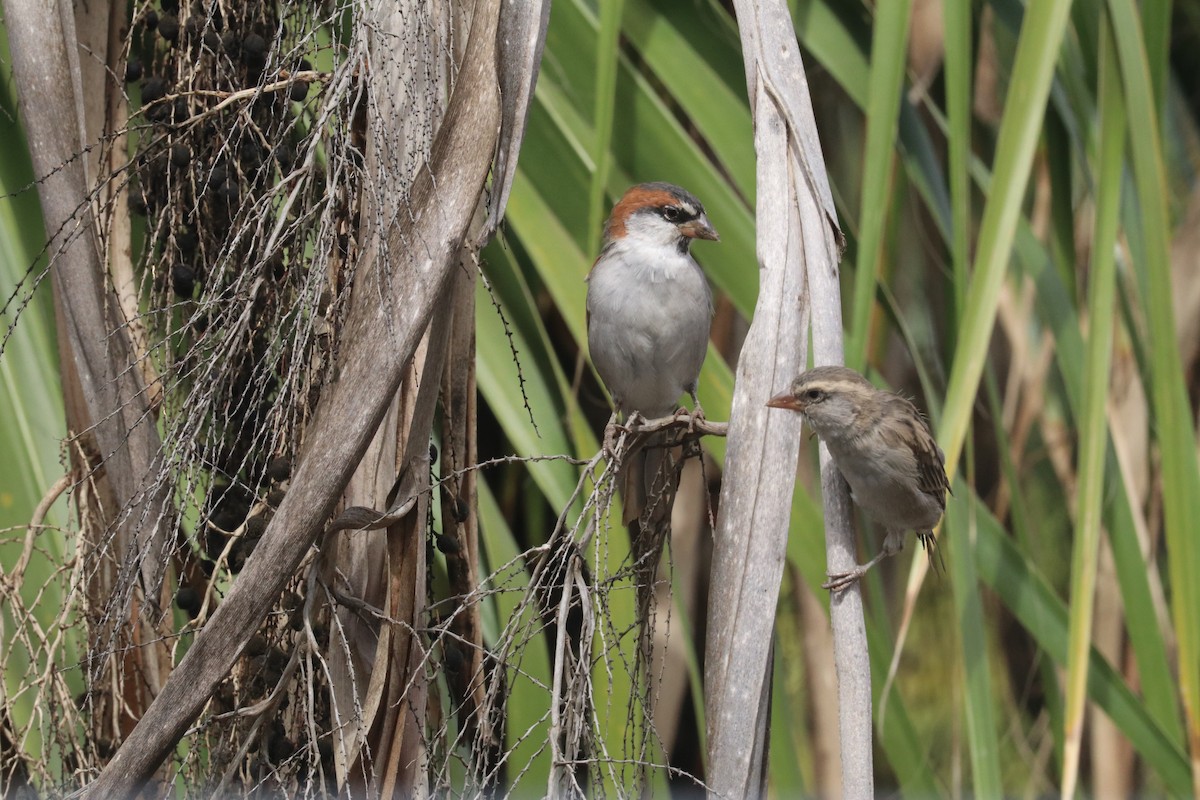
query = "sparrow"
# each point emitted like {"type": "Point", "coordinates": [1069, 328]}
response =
{"type": "Point", "coordinates": [649, 310]}
{"type": "Point", "coordinates": [884, 449]}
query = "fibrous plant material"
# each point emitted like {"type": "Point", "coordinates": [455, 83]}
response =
{"type": "Point", "coordinates": [246, 193]}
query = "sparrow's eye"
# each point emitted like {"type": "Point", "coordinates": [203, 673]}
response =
{"type": "Point", "coordinates": [814, 395]}
{"type": "Point", "coordinates": [672, 213]}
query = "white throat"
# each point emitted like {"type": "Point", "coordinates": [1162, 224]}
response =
{"type": "Point", "coordinates": [652, 262]}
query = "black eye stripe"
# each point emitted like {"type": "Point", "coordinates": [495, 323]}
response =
{"type": "Point", "coordinates": [677, 213]}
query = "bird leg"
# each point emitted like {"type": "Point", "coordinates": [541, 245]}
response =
{"type": "Point", "coordinates": [694, 416]}
{"type": "Point", "coordinates": [609, 445]}
{"type": "Point", "coordinates": [893, 543]}
{"type": "Point", "coordinates": [632, 422]}
{"type": "Point", "coordinates": [615, 428]}
{"type": "Point", "coordinates": [697, 409]}
{"type": "Point", "coordinates": [635, 440]}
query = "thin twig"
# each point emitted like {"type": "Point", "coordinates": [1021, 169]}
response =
{"type": "Point", "coordinates": [35, 526]}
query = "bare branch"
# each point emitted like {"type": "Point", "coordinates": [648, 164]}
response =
{"type": "Point", "coordinates": [699, 426]}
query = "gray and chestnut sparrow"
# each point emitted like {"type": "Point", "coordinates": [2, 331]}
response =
{"type": "Point", "coordinates": [883, 448]}
{"type": "Point", "coordinates": [649, 311]}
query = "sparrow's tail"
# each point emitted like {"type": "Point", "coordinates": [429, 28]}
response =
{"type": "Point", "coordinates": [650, 479]}
{"type": "Point", "coordinates": [936, 562]}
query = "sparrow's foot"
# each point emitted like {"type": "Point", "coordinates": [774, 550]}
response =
{"type": "Point", "coordinates": [631, 424]}
{"type": "Point", "coordinates": [609, 445]}
{"type": "Point", "coordinates": [613, 427]}
{"type": "Point", "coordinates": [839, 581]}
{"type": "Point", "coordinates": [693, 416]}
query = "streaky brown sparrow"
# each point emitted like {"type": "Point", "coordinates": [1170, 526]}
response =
{"type": "Point", "coordinates": [649, 311]}
{"type": "Point", "coordinates": [884, 449]}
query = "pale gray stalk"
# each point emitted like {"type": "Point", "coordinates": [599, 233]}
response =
{"type": "Point", "coordinates": [798, 253]}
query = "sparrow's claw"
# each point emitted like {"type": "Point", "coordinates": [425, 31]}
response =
{"type": "Point", "coordinates": [630, 425]}
{"type": "Point", "coordinates": [609, 444]}
{"type": "Point", "coordinates": [693, 416]}
{"type": "Point", "coordinates": [839, 581]}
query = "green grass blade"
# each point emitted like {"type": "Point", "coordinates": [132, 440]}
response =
{"type": "Point", "coordinates": [1041, 33]}
{"type": "Point", "coordinates": [32, 427]}
{"type": "Point", "coordinates": [497, 375]}
{"type": "Point", "coordinates": [888, 51]}
{"type": "Point", "coordinates": [607, 50]}
{"type": "Point", "coordinates": [840, 52]}
{"type": "Point", "coordinates": [1157, 680]}
{"type": "Point", "coordinates": [906, 752]}
{"type": "Point", "coordinates": [31, 404]}
{"type": "Point", "coordinates": [1003, 568]}
{"type": "Point", "coordinates": [792, 756]}
{"type": "Point", "coordinates": [961, 517]}
{"type": "Point", "coordinates": [701, 67]}
{"type": "Point", "coordinates": [1176, 436]}
{"type": "Point", "coordinates": [834, 46]}
{"type": "Point", "coordinates": [1156, 26]}
{"type": "Point", "coordinates": [527, 707]}
{"type": "Point", "coordinates": [957, 76]}
{"type": "Point", "coordinates": [1093, 440]}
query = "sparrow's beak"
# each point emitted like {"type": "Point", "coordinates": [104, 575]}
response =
{"type": "Point", "coordinates": [700, 228]}
{"type": "Point", "coordinates": [785, 400]}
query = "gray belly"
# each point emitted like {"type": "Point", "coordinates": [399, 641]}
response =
{"type": "Point", "coordinates": [649, 345]}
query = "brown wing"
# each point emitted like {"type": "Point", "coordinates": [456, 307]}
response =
{"type": "Point", "coordinates": [931, 462]}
